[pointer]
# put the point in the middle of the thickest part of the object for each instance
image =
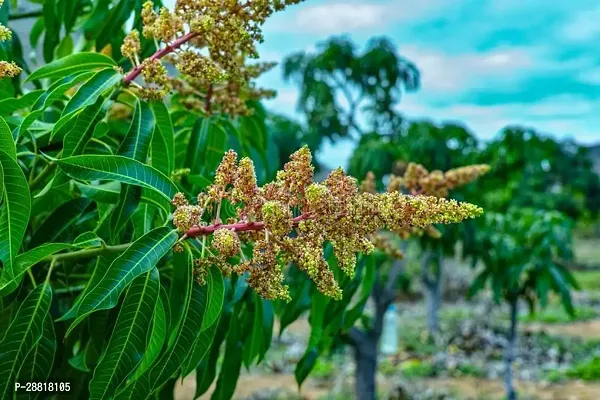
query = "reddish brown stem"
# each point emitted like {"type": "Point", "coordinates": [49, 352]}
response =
{"type": "Point", "coordinates": [134, 73]}
{"type": "Point", "coordinates": [237, 227]}
{"type": "Point", "coordinates": [209, 93]}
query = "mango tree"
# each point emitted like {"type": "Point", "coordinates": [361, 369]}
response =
{"type": "Point", "coordinates": [142, 228]}
{"type": "Point", "coordinates": [523, 253]}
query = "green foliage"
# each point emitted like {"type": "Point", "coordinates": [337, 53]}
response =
{"type": "Point", "coordinates": [371, 81]}
{"type": "Point", "coordinates": [91, 290]}
{"type": "Point", "coordinates": [417, 369]}
{"type": "Point", "coordinates": [588, 280]}
{"type": "Point", "coordinates": [557, 315]}
{"type": "Point", "coordinates": [529, 169]}
{"type": "Point", "coordinates": [523, 254]}
{"type": "Point", "coordinates": [587, 370]}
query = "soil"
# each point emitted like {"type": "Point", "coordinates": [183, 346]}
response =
{"type": "Point", "coordinates": [581, 329]}
{"type": "Point", "coordinates": [473, 388]}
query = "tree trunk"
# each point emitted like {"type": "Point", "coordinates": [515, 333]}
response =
{"type": "Point", "coordinates": [433, 307]}
{"type": "Point", "coordinates": [511, 394]}
{"type": "Point", "coordinates": [432, 282]}
{"type": "Point", "coordinates": [365, 355]}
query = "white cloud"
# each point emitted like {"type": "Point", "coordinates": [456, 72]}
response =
{"type": "Point", "coordinates": [561, 115]}
{"type": "Point", "coordinates": [451, 72]}
{"type": "Point", "coordinates": [341, 17]}
{"type": "Point", "coordinates": [336, 18]}
{"type": "Point", "coordinates": [591, 76]}
{"type": "Point", "coordinates": [583, 25]}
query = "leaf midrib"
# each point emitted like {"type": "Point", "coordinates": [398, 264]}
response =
{"type": "Point", "coordinates": [128, 333]}
{"type": "Point", "coordinates": [163, 239]}
{"type": "Point", "coordinates": [37, 306]}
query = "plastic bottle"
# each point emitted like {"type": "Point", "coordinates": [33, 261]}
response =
{"type": "Point", "coordinates": [389, 337]}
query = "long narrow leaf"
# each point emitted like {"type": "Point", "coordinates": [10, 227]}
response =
{"type": "Point", "coordinates": [138, 259]}
{"type": "Point", "coordinates": [22, 335]}
{"type": "Point", "coordinates": [118, 168]}
{"type": "Point", "coordinates": [15, 211]}
{"type": "Point", "coordinates": [128, 341]}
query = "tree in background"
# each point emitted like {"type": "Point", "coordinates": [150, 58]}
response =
{"type": "Point", "coordinates": [377, 278]}
{"type": "Point", "coordinates": [439, 148]}
{"type": "Point", "coordinates": [533, 170]}
{"type": "Point", "coordinates": [340, 87]}
{"type": "Point", "coordinates": [523, 253]}
{"type": "Point", "coordinates": [139, 240]}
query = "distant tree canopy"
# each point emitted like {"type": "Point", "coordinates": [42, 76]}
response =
{"type": "Point", "coordinates": [529, 169]}
{"type": "Point", "coordinates": [338, 81]}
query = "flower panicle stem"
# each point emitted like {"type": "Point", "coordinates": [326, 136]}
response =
{"type": "Point", "coordinates": [160, 53]}
{"type": "Point", "coordinates": [196, 231]}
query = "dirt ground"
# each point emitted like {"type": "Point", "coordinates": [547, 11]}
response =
{"type": "Point", "coordinates": [468, 387]}
{"type": "Point", "coordinates": [581, 329]}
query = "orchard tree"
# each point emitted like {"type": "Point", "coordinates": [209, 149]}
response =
{"type": "Point", "coordinates": [376, 278]}
{"type": "Point", "coordinates": [523, 253]}
{"type": "Point", "coordinates": [288, 135]}
{"type": "Point", "coordinates": [439, 148]}
{"type": "Point", "coordinates": [530, 169]}
{"type": "Point", "coordinates": [345, 93]}
{"type": "Point", "coordinates": [138, 233]}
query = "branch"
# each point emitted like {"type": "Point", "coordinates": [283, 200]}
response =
{"type": "Point", "coordinates": [425, 278]}
{"type": "Point", "coordinates": [87, 253]}
{"type": "Point", "coordinates": [237, 227]}
{"type": "Point", "coordinates": [47, 171]}
{"type": "Point", "coordinates": [207, 104]}
{"type": "Point", "coordinates": [355, 337]}
{"type": "Point", "coordinates": [134, 73]}
{"type": "Point", "coordinates": [25, 15]}
{"type": "Point", "coordinates": [395, 271]}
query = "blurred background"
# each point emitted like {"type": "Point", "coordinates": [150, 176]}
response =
{"type": "Point", "coordinates": [375, 85]}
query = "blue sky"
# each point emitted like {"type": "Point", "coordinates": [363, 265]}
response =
{"type": "Point", "coordinates": [487, 63]}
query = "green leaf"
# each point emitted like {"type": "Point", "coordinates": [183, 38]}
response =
{"type": "Point", "coordinates": [26, 260]}
{"type": "Point", "coordinates": [163, 145]}
{"type": "Point", "coordinates": [135, 145]}
{"type": "Point", "coordinates": [206, 146]}
{"type": "Point", "coordinates": [216, 294]}
{"type": "Point", "coordinates": [232, 363]}
{"type": "Point", "coordinates": [199, 350]}
{"type": "Point", "coordinates": [137, 141]}
{"type": "Point", "coordinates": [60, 221]}
{"type": "Point", "coordinates": [70, 64]}
{"type": "Point", "coordinates": [54, 92]}
{"type": "Point", "coordinates": [173, 358]}
{"type": "Point", "coordinates": [88, 239]}
{"type": "Point", "coordinates": [139, 258]}
{"type": "Point", "coordinates": [52, 23]}
{"type": "Point", "coordinates": [199, 180]}
{"type": "Point", "coordinates": [22, 334]}
{"type": "Point", "coordinates": [128, 202]}
{"type": "Point", "coordinates": [207, 370]}
{"type": "Point", "coordinates": [155, 338]}
{"type": "Point", "coordinates": [89, 92]}
{"type": "Point", "coordinates": [9, 106]}
{"type": "Point", "coordinates": [179, 291]}
{"type": "Point", "coordinates": [142, 219]}
{"type": "Point", "coordinates": [76, 139]}
{"type": "Point", "coordinates": [254, 342]}
{"type": "Point", "coordinates": [102, 263]}
{"type": "Point", "coordinates": [102, 193]}
{"type": "Point", "coordinates": [128, 341]}
{"type": "Point", "coordinates": [118, 168]}
{"type": "Point", "coordinates": [306, 364]}
{"type": "Point", "coordinates": [14, 215]}
{"type": "Point", "coordinates": [39, 361]}
{"type": "Point", "coordinates": [267, 327]}
{"type": "Point", "coordinates": [7, 142]}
